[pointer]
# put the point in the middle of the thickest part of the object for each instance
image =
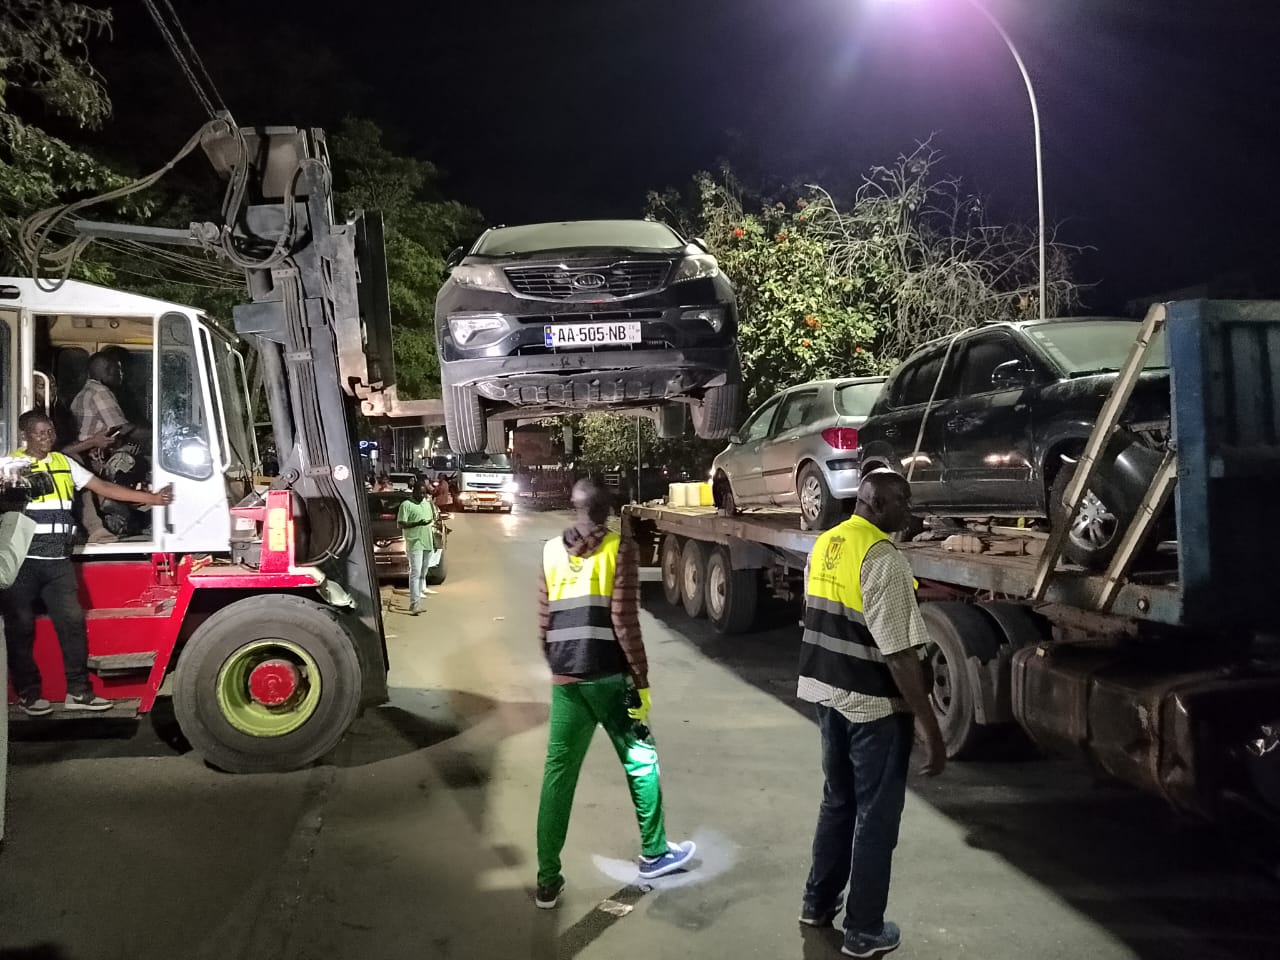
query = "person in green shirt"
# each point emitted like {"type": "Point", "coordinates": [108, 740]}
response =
{"type": "Point", "coordinates": [417, 518]}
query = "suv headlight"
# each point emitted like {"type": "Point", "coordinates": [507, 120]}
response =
{"type": "Point", "coordinates": [696, 267]}
{"type": "Point", "coordinates": [478, 276]}
{"type": "Point", "coordinates": [473, 329]}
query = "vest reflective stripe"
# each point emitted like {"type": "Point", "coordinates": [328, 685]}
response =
{"type": "Point", "coordinates": [837, 647]}
{"type": "Point", "coordinates": [55, 523]}
{"type": "Point", "coordinates": [580, 636]}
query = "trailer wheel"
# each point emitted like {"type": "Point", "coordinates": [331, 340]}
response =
{"type": "Point", "coordinates": [669, 559]}
{"type": "Point", "coordinates": [959, 631]}
{"type": "Point", "coordinates": [731, 594]}
{"type": "Point", "coordinates": [693, 578]}
{"type": "Point", "coordinates": [464, 419]}
{"type": "Point", "coordinates": [267, 684]}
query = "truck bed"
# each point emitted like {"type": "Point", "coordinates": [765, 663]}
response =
{"type": "Point", "coordinates": [1000, 576]}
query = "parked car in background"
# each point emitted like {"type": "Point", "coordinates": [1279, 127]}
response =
{"type": "Point", "coordinates": [1013, 404]}
{"type": "Point", "coordinates": [402, 482]}
{"type": "Point", "coordinates": [798, 448]}
{"type": "Point", "coordinates": [555, 318]}
{"type": "Point", "coordinates": [389, 557]}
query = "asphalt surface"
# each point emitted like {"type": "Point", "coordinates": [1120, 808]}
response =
{"type": "Point", "coordinates": [416, 838]}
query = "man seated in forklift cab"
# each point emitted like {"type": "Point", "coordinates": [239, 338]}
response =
{"type": "Point", "coordinates": [47, 573]}
{"type": "Point", "coordinates": [97, 411]}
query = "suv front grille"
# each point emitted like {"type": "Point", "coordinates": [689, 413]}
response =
{"type": "Point", "coordinates": [626, 278]}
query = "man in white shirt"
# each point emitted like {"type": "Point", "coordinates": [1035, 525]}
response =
{"type": "Point", "coordinates": [47, 573]}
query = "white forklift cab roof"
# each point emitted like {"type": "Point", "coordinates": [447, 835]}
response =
{"type": "Point", "coordinates": [75, 297]}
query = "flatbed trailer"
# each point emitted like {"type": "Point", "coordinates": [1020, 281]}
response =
{"type": "Point", "coordinates": [1163, 673]}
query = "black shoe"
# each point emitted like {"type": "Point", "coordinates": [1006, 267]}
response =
{"type": "Point", "coordinates": [86, 701]}
{"type": "Point", "coordinates": [818, 918]}
{"type": "Point", "coordinates": [549, 896]}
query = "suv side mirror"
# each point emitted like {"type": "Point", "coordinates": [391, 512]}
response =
{"type": "Point", "coordinates": [455, 257]}
{"type": "Point", "coordinates": [735, 438]}
{"type": "Point", "coordinates": [701, 243]}
{"type": "Point", "coordinates": [1011, 375]}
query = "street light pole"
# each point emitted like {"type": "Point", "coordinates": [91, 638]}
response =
{"type": "Point", "coordinates": [1035, 121]}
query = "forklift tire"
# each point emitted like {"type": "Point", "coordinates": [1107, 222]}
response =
{"type": "Point", "coordinates": [495, 437]}
{"type": "Point", "coordinates": [220, 717]}
{"type": "Point", "coordinates": [731, 594]}
{"type": "Point", "coordinates": [693, 578]}
{"type": "Point", "coordinates": [436, 575]}
{"type": "Point", "coordinates": [464, 420]}
{"type": "Point", "coordinates": [669, 561]}
{"type": "Point", "coordinates": [959, 631]}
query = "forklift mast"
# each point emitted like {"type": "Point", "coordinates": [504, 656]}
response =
{"type": "Point", "coordinates": [320, 320]}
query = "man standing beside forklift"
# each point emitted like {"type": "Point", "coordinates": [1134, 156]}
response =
{"type": "Point", "coordinates": [417, 518]}
{"type": "Point", "coordinates": [48, 575]}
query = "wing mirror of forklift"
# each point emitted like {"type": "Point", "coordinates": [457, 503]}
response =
{"type": "Point", "coordinates": [1011, 375]}
{"type": "Point", "coordinates": [455, 257]}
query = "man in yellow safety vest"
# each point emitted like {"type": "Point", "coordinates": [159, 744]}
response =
{"type": "Point", "coordinates": [590, 630]}
{"type": "Point", "coordinates": [860, 666]}
{"type": "Point", "coordinates": [47, 573]}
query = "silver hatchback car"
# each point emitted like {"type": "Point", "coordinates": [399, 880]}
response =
{"type": "Point", "coordinates": [798, 448]}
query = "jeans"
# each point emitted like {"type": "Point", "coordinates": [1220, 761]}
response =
{"type": "Point", "coordinates": [418, 558]}
{"type": "Point", "coordinates": [865, 765]}
{"type": "Point", "coordinates": [576, 710]}
{"type": "Point", "coordinates": [54, 582]}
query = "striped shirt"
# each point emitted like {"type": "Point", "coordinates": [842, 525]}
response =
{"type": "Point", "coordinates": [96, 409]}
{"type": "Point", "coordinates": [893, 617]}
{"type": "Point", "coordinates": [624, 604]}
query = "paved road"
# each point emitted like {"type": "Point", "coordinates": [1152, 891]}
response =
{"type": "Point", "coordinates": [416, 838]}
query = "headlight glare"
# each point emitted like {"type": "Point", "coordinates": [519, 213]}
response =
{"type": "Point", "coordinates": [478, 276]}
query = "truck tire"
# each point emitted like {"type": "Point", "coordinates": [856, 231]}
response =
{"type": "Point", "coordinates": [436, 575]}
{"type": "Point", "coordinates": [672, 419]}
{"type": "Point", "coordinates": [669, 560]}
{"type": "Point", "coordinates": [959, 631]}
{"type": "Point", "coordinates": [249, 649]}
{"type": "Point", "coordinates": [693, 578]}
{"type": "Point", "coordinates": [717, 415]}
{"type": "Point", "coordinates": [731, 594]}
{"type": "Point", "coordinates": [495, 436]}
{"type": "Point", "coordinates": [463, 420]}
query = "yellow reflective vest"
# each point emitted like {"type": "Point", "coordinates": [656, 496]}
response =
{"type": "Point", "coordinates": [837, 647]}
{"type": "Point", "coordinates": [580, 638]}
{"type": "Point", "coordinates": [52, 512]}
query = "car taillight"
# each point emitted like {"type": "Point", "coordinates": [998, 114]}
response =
{"type": "Point", "coordinates": [386, 516]}
{"type": "Point", "coordinates": [841, 438]}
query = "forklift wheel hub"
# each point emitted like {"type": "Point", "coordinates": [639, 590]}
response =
{"type": "Point", "coordinates": [273, 682]}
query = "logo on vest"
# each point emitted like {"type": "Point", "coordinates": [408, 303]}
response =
{"type": "Point", "coordinates": [835, 549]}
{"type": "Point", "coordinates": [575, 564]}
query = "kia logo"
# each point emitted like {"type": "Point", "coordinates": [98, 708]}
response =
{"type": "Point", "coordinates": [589, 281]}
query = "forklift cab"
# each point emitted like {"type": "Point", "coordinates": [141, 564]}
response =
{"type": "Point", "coordinates": [185, 385]}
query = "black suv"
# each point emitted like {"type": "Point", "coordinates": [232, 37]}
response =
{"type": "Point", "coordinates": [1014, 405]}
{"type": "Point", "coordinates": [567, 317]}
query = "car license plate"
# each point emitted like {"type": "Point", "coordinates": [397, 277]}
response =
{"type": "Point", "coordinates": [562, 335]}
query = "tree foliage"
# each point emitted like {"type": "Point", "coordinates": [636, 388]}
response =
{"type": "Point", "coordinates": [831, 290]}
{"type": "Point", "coordinates": [421, 229]}
{"type": "Point", "coordinates": [606, 441]}
{"type": "Point", "coordinates": [44, 68]}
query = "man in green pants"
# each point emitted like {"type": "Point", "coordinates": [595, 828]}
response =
{"type": "Point", "coordinates": [589, 625]}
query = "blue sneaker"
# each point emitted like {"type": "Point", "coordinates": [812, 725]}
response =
{"type": "Point", "coordinates": [866, 945]}
{"type": "Point", "coordinates": [676, 858]}
{"type": "Point", "coordinates": [812, 917]}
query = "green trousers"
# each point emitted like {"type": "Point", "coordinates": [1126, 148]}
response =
{"type": "Point", "coordinates": [576, 709]}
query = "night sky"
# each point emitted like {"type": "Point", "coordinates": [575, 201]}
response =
{"type": "Point", "coordinates": [1159, 116]}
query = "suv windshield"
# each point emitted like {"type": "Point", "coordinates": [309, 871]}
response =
{"type": "Point", "coordinates": [856, 399]}
{"type": "Point", "coordinates": [1082, 347]}
{"type": "Point", "coordinates": [494, 462]}
{"type": "Point", "coordinates": [536, 237]}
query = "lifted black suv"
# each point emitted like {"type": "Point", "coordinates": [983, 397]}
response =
{"type": "Point", "coordinates": [557, 318]}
